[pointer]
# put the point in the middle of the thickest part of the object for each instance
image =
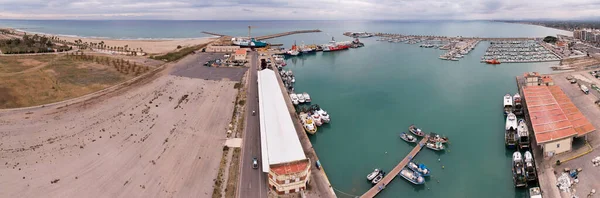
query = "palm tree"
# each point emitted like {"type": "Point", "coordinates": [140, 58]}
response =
{"type": "Point", "coordinates": [125, 49]}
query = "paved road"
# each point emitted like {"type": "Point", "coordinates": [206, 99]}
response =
{"type": "Point", "coordinates": [253, 182]}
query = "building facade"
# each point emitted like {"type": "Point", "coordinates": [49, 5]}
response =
{"type": "Point", "coordinates": [240, 55]}
{"type": "Point", "coordinates": [222, 49]}
{"type": "Point", "coordinates": [289, 177]}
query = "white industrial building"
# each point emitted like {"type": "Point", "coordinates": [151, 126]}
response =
{"type": "Point", "coordinates": [282, 154]}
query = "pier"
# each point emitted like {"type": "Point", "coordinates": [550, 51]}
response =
{"type": "Point", "coordinates": [271, 35]}
{"type": "Point", "coordinates": [392, 174]}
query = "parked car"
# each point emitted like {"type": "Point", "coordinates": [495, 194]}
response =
{"type": "Point", "coordinates": [254, 163]}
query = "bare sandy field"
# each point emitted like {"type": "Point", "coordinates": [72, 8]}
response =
{"type": "Point", "coordinates": [161, 139]}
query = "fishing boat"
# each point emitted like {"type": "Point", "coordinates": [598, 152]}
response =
{"type": "Point", "coordinates": [492, 62]}
{"type": "Point", "coordinates": [420, 168]}
{"type": "Point", "coordinates": [535, 192]}
{"type": "Point", "coordinates": [530, 172]}
{"type": "Point", "coordinates": [373, 174]}
{"type": "Point", "coordinates": [324, 115]}
{"type": "Point", "coordinates": [413, 129]}
{"type": "Point", "coordinates": [508, 104]}
{"type": "Point", "coordinates": [518, 170]}
{"type": "Point", "coordinates": [301, 98]}
{"type": "Point", "coordinates": [523, 134]}
{"type": "Point", "coordinates": [433, 137]}
{"type": "Point", "coordinates": [408, 137]}
{"type": "Point", "coordinates": [438, 146]}
{"type": "Point", "coordinates": [378, 178]}
{"type": "Point", "coordinates": [334, 46]}
{"type": "Point", "coordinates": [317, 118]}
{"type": "Point", "coordinates": [294, 98]}
{"type": "Point", "coordinates": [412, 176]}
{"type": "Point", "coordinates": [245, 42]}
{"type": "Point", "coordinates": [518, 106]}
{"type": "Point", "coordinates": [511, 130]}
{"type": "Point", "coordinates": [306, 97]}
{"type": "Point", "coordinates": [308, 123]}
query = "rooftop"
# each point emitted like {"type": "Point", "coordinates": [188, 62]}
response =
{"type": "Point", "coordinates": [553, 115]}
{"type": "Point", "coordinates": [288, 168]}
{"type": "Point", "coordinates": [279, 141]}
{"type": "Point", "coordinates": [240, 51]}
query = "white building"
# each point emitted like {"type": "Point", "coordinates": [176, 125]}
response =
{"type": "Point", "coordinates": [282, 154]}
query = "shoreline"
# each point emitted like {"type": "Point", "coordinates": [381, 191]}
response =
{"type": "Point", "coordinates": [526, 23]}
{"type": "Point", "coordinates": [150, 46]}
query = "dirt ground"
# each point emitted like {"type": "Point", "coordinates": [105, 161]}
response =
{"type": "Point", "coordinates": [36, 80]}
{"type": "Point", "coordinates": [161, 139]}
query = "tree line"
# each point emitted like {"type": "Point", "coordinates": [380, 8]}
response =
{"type": "Point", "coordinates": [31, 44]}
{"type": "Point", "coordinates": [122, 66]}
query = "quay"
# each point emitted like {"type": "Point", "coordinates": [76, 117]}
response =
{"type": "Point", "coordinates": [271, 35]}
{"type": "Point", "coordinates": [460, 37]}
{"type": "Point", "coordinates": [392, 174]}
{"type": "Point", "coordinates": [319, 183]}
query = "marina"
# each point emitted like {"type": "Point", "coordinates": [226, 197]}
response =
{"type": "Point", "coordinates": [518, 52]}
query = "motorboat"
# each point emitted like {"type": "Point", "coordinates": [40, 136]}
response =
{"type": "Point", "coordinates": [294, 98]}
{"type": "Point", "coordinates": [518, 105]}
{"type": "Point", "coordinates": [535, 192]}
{"type": "Point", "coordinates": [308, 123]}
{"type": "Point", "coordinates": [518, 170]}
{"type": "Point", "coordinates": [317, 118]}
{"type": "Point", "coordinates": [378, 178]}
{"type": "Point", "coordinates": [306, 97]}
{"type": "Point", "coordinates": [433, 137]}
{"type": "Point", "coordinates": [530, 172]}
{"type": "Point", "coordinates": [293, 79]}
{"type": "Point", "coordinates": [373, 174]}
{"type": "Point", "coordinates": [420, 168]}
{"type": "Point", "coordinates": [324, 115]}
{"type": "Point", "coordinates": [523, 134]}
{"type": "Point", "coordinates": [412, 176]}
{"type": "Point", "coordinates": [408, 137]}
{"type": "Point", "coordinates": [301, 98]}
{"type": "Point", "coordinates": [511, 130]}
{"type": "Point", "coordinates": [413, 129]}
{"type": "Point", "coordinates": [438, 146]}
{"type": "Point", "coordinates": [492, 61]}
{"type": "Point", "coordinates": [508, 104]}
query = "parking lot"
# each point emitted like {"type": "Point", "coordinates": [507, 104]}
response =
{"type": "Point", "coordinates": [193, 66]}
{"type": "Point", "coordinates": [589, 178]}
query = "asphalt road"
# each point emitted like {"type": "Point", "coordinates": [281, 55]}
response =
{"type": "Point", "coordinates": [253, 182]}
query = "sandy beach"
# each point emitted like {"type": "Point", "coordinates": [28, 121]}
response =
{"type": "Point", "coordinates": [148, 46]}
{"type": "Point", "coordinates": [161, 139]}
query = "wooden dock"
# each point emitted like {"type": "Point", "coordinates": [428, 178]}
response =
{"type": "Point", "coordinates": [392, 174]}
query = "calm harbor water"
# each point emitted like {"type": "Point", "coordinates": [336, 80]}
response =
{"type": "Point", "coordinates": [375, 92]}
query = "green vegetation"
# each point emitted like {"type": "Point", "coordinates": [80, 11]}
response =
{"type": "Point", "coordinates": [234, 167]}
{"type": "Point", "coordinates": [550, 39]}
{"type": "Point", "coordinates": [219, 180]}
{"type": "Point", "coordinates": [31, 44]}
{"type": "Point", "coordinates": [123, 66]}
{"type": "Point", "coordinates": [176, 55]}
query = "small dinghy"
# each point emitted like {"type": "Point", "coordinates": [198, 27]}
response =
{"type": "Point", "coordinates": [412, 176]}
{"type": "Point", "coordinates": [408, 137]}
{"type": "Point", "coordinates": [413, 129]}
{"type": "Point", "coordinates": [420, 168]}
{"type": "Point", "coordinates": [435, 146]}
{"type": "Point", "coordinates": [373, 174]}
{"type": "Point", "coordinates": [378, 178]}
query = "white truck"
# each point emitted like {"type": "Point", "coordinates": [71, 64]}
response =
{"type": "Point", "coordinates": [584, 89]}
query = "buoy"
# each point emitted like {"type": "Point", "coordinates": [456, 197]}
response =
{"type": "Point", "coordinates": [439, 159]}
{"type": "Point", "coordinates": [442, 167]}
{"type": "Point", "coordinates": [438, 181]}
{"type": "Point", "coordinates": [386, 152]}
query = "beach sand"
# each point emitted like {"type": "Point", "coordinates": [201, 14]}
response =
{"type": "Point", "coordinates": [163, 138]}
{"type": "Point", "coordinates": [148, 46]}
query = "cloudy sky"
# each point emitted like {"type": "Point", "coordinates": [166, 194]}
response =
{"type": "Point", "coordinates": [300, 9]}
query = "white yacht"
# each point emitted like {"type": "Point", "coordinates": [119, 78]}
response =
{"type": "Point", "coordinates": [306, 97]}
{"type": "Point", "coordinates": [317, 118]}
{"type": "Point", "coordinates": [510, 135]}
{"type": "Point", "coordinates": [508, 104]}
{"type": "Point", "coordinates": [294, 99]}
{"type": "Point", "coordinates": [301, 98]}
{"type": "Point", "coordinates": [324, 115]}
{"type": "Point", "coordinates": [511, 122]}
{"type": "Point", "coordinates": [373, 174]}
{"type": "Point", "coordinates": [523, 134]}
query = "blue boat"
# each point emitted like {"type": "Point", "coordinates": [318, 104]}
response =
{"type": "Point", "coordinates": [420, 168]}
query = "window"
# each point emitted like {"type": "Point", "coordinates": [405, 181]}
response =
{"type": "Point", "coordinates": [557, 145]}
